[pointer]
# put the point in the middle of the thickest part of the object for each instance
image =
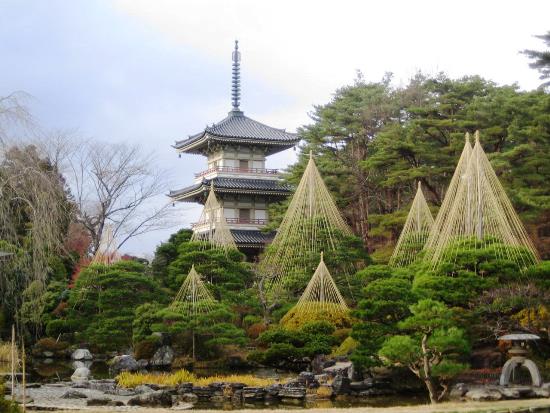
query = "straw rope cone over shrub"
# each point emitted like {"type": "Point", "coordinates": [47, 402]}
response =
{"type": "Point", "coordinates": [321, 300]}
{"type": "Point", "coordinates": [415, 232]}
{"type": "Point", "coordinates": [311, 224]}
{"type": "Point", "coordinates": [218, 234]}
{"type": "Point", "coordinates": [193, 297]}
{"type": "Point", "coordinates": [435, 235]}
{"type": "Point", "coordinates": [480, 215]}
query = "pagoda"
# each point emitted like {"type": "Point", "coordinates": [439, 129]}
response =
{"type": "Point", "coordinates": [236, 149]}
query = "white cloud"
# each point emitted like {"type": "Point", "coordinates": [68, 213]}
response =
{"type": "Point", "coordinates": [307, 49]}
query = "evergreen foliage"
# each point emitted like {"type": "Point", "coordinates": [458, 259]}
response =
{"type": "Point", "coordinates": [373, 142]}
{"type": "Point", "coordinates": [541, 59]}
{"type": "Point", "coordinates": [431, 347]}
{"type": "Point", "coordinates": [101, 305]}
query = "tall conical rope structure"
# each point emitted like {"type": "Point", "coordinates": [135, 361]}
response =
{"type": "Point", "coordinates": [218, 235]}
{"type": "Point", "coordinates": [311, 224]}
{"type": "Point", "coordinates": [480, 215]}
{"type": "Point", "coordinates": [415, 232]}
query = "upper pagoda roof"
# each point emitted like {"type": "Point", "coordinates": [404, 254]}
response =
{"type": "Point", "coordinates": [238, 128]}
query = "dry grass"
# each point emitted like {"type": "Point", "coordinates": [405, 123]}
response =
{"type": "Point", "coordinates": [130, 380]}
{"type": "Point", "coordinates": [247, 379]}
{"type": "Point", "coordinates": [5, 353]}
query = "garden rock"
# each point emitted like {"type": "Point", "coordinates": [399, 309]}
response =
{"type": "Point", "coordinates": [188, 398]}
{"type": "Point", "coordinates": [458, 391]}
{"type": "Point", "coordinates": [163, 357]}
{"type": "Point", "coordinates": [74, 394]}
{"type": "Point", "coordinates": [123, 363]}
{"type": "Point", "coordinates": [82, 354]}
{"type": "Point", "coordinates": [143, 388]}
{"type": "Point", "coordinates": [102, 385]}
{"type": "Point", "coordinates": [81, 374]}
{"type": "Point", "coordinates": [341, 385]}
{"type": "Point", "coordinates": [308, 379]}
{"type": "Point", "coordinates": [273, 390]}
{"type": "Point", "coordinates": [510, 393]}
{"type": "Point", "coordinates": [182, 406]}
{"type": "Point", "coordinates": [340, 368]}
{"type": "Point", "coordinates": [251, 394]}
{"type": "Point", "coordinates": [540, 392]}
{"type": "Point", "coordinates": [203, 393]}
{"type": "Point", "coordinates": [143, 363]}
{"type": "Point", "coordinates": [292, 392]}
{"type": "Point", "coordinates": [184, 388]}
{"type": "Point", "coordinates": [483, 394]}
{"type": "Point", "coordinates": [100, 401]}
{"type": "Point", "coordinates": [158, 398]}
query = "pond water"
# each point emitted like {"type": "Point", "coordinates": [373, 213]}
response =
{"type": "Point", "coordinates": [54, 371]}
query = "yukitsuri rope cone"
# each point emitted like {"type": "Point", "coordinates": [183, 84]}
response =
{"type": "Point", "coordinates": [193, 297]}
{"type": "Point", "coordinates": [436, 233]}
{"type": "Point", "coordinates": [107, 252]}
{"type": "Point", "coordinates": [320, 298]}
{"type": "Point", "coordinates": [217, 235]}
{"type": "Point", "coordinates": [481, 216]}
{"type": "Point", "coordinates": [311, 224]}
{"type": "Point", "coordinates": [415, 232]}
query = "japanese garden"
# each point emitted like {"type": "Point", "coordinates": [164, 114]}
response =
{"type": "Point", "coordinates": [402, 259]}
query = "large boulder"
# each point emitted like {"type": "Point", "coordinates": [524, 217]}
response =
{"type": "Point", "coordinates": [341, 368]}
{"type": "Point", "coordinates": [163, 357]}
{"type": "Point", "coordinates": [81, 374]}
{"type": "Point", "coordinates": [82, 354]}
{"type": "Point", "coordinates": [158, 398]}
{"type": "Point", "coordinates": [123, 363]}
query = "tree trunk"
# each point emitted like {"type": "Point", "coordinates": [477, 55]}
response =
{"type": "Point", "coordinates": [427, 371]}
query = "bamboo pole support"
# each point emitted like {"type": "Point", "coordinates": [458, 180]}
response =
{"type": "Point", "coordinates": [13, 361]}
{"type": "Point", "coordinates": [24, 379]}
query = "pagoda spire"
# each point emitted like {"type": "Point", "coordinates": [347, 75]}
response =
{"type": "Point", "coordinates": [236, 80]}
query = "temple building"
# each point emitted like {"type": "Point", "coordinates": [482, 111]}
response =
{"type": "Point", "coordinates": [236, 149]}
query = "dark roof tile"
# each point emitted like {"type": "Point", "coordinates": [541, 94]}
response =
{"type": "Point", "coordinates": [236, 126]}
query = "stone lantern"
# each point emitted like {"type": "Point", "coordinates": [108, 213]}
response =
{"type": "Point", "coordinates": [518, 357]}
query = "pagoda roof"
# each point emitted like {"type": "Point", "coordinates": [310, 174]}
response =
{"type": "Point", "coordinates": [240, 129]}
{"type": "Point", "coordinates": [251, 238]}
{"type": "Point", "coordinates": [199, 191]}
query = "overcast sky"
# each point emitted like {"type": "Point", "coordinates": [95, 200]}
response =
{"type": "Point", "coordinates": [154, 71]}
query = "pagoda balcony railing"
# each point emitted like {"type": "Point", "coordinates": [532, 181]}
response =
{"type": "Point", "coordinates": [233, 221]}
{"type": "Point", "coordinates": [234, 169]}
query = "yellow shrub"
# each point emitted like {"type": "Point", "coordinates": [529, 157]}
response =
{"type": "Point", "coordinates": [130, 380]}
{"type": "Point", "coordinates": [538, 318]}
{"type": "Point", "coordinates": [126, 379]}
{"type": "Point", "coordinates": [247, 379]}
{"type": "Point", "coordinates": [294, 320]}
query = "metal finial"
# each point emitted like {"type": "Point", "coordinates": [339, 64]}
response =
{"type": "Point", "coordinates": [236, 82]}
